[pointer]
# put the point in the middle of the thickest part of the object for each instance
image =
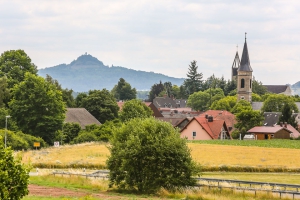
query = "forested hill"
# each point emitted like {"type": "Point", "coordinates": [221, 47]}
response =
{"type": "Point", "coordinates": [88, 73]}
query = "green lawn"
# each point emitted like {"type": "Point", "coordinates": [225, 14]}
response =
{"type": "Point", "coordinates": [290, 144]}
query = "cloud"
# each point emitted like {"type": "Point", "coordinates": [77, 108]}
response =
{"type": "Point", "coordinates": [159, 36]}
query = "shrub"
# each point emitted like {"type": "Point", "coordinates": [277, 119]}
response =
{"type": "Point", "coordinates": [85, 136]}
{"type": "Point", "coordinates": [13, 175]}
{"type": "Point", "coordinates": [147, 154]}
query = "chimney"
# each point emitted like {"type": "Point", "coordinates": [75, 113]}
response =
{"type": "Point", "coordinates": [165, 95]}
{"type": "Point", "coordinates": [281, 123]}
{"type": "Point", "coordinates": [210, 118]}
{"type": "Point", "coordinates": [206, 116]}
{"type": "Point", "coordinates": [285, 124]}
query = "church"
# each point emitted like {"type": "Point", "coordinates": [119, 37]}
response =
{"type": "Point", "coordinates": [241, 71]}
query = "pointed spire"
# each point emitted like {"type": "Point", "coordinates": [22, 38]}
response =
{"type": "Point", "coordinates": [245, 61]}
{"type": "Point", "coordinates": [236, 61]}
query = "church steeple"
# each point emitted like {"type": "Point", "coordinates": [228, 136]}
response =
{"type": "Point", "coordinates": [245, 62]}
{"type": "Point", "coordinates": [244, 76]}
{"type": "Point", "coordinates": [235, 66]}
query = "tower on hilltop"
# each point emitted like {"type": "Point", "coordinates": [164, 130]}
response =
{"type": "Point", "coordinates": [244, 76]}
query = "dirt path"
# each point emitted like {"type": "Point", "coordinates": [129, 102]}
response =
{"type": "Point", "coordinates": [36, 190]}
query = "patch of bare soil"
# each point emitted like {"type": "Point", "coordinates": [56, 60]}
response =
{"type": "Point", "coordinates": [36, 190]}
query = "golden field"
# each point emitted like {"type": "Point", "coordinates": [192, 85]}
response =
{"type": "Point", "coordinates": [95, 154]}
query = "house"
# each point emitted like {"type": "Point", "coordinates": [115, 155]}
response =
{"type": "Point", "coordinates": [80, 116]}
{"type": "Point", "coordinates": [279, 89]}
{"type": "Point", "coordinates": [156, 113]}
{"type": "Point", "coordinates": [281, 131]}
{"type": "Point", "coordinates": [227, 116]}
{"type": "Point", "coordinates": [202, 128]}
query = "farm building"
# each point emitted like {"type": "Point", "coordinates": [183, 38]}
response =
{"type": "Point", "coordinates": [282, 131]}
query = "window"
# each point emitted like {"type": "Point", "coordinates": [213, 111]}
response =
{"type": "Point", "coordinates": [242, 97]}
{"type": "Point", "coordinates": [250, 83]}
{"type": "Point", "coordinates": [194, 133]}
{"type": "Point", "coordinates": [242, 83]}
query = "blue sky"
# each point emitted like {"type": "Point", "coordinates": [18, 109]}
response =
{"type": "Point", "coordinates": [159, 36]}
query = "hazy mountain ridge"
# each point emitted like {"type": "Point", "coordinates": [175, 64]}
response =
{"type": "Point", "coordinates": [87, 73]}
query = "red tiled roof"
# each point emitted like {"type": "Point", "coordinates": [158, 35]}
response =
{"type": "Point", "coordinates": [212, 128]}
{"type": "Point", "coordinates": [227, 116]}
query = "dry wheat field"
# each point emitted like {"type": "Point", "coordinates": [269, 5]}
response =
{"type": "Point", "coordinates": [206, 154]}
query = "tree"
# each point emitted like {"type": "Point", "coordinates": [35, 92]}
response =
{"type": "Point", "coordinates": [226, 103]}
{"type": "Point", "coordinates": [287, 116]}
{"type": "Point", "coordinates": [37, 107]}
{"type": "Point", "coordinates": [79, 98]}
{"type": "Point", "coordinates": [247, 119]}
{"type": "Point", "coordinates": [101, 104]}
{"type": "Point", "coordinates": [199, 101]}
{"type": "Point", "coordinates": [70, 131]}
{"type": "Point", "coordinates": [14, 64]}
{"type": "Point", "coordinates": [256, 97]}
{"type": "Point", "coordinates": [123, 91]}
{"type": "Point", "coordinates": [258, 88]}
{"type": "Point", "coordinates": [230, 87]}
{"type": "Point", "coordinates": [14, 176]}
{"type": "Point", "coordinates": [193, 83]}
{"type": "Point", "coordinates": [4, 92]}
{"type": "Point", "coordinates": [241, 106]}
{"type": "Point", "coordinates": [156, 89]}
{"type": "Point", "coordinates": [147, 154]}
{"type": "Point", "coordinates": [275, 103]}
{"type": "Point", "coordinates": [67, 94]}
{"type": "Point", "coordinates": [134, 108]}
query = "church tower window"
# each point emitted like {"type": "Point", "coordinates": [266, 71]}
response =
{"type": "Point", "coordinates": [242, 83]}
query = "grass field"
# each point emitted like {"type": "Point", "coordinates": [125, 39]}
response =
{"type": "Point", "coordinates": [94, 155]}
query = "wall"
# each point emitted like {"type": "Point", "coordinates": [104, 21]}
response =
{"type": "Point", "coordinates": [201, 134]}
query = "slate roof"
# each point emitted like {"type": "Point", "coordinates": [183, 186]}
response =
{"type": "Point", "coordinates": [180, 103]}
{"type": "Point", "coordinates": [164, 102]}
{"type": "Point", "coordinates": [245, 61]}
{"type": "Point", "coordinates": [271, 118]}
{"type": "Point", "coordinates": [81, 116]}
{"type": "Point", "coordinates": [277, 89]}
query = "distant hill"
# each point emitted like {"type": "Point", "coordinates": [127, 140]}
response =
{"type": "Point", "coordinates": [296, 88]}
{"type": "Point", "coordinates": [88, 73]}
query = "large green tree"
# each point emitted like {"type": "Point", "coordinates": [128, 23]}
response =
{"type": "Point", "coordinates": [14, 176]}
{"type": "Point", "coordinates": [287, 116]}
{"type": "Point", "coordinates": [4, 92]}
{"type": "Point", "coordinates": [155, 90]}
{"type": "Point", "coordinates": [14, 64]}
{"type": "Point", "coordinates": [37, 107]}
{"type": "Point", "coordinates": [276, 102]}
{"type": "Point", "coordinates": [67, 94]}
{"type": "Point", "coordinates": [134, 108]}
{"type": "Point", "coordinates": [247, 119]}
{"type": "Point", "coordinates": [193, 82]}
{"type": "Point", "coordinates": [199, 101]}
{"type": "Point", "coordinates": [147, 154]}
{"type": "Point", "coordinates": [123, 91]}
{"type": "Point", "coordinates": [258, 88]}
{"type": "Point", "coordinates": [101, 104]}
{"type": "Point", "coordinates": [226, 103]}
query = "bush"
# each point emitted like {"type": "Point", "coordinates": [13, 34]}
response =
{"type": "Point", "coordinates": [147, 154]}
{"type": "Point", "coordinates": [13, 176]}
{"type": "Point", "coordinates": [85, 137]}
{"type": "Point", "coordinates": [19, 140]}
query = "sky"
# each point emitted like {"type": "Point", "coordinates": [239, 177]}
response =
{"type": "Point", "coordinates": [159, 36]}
